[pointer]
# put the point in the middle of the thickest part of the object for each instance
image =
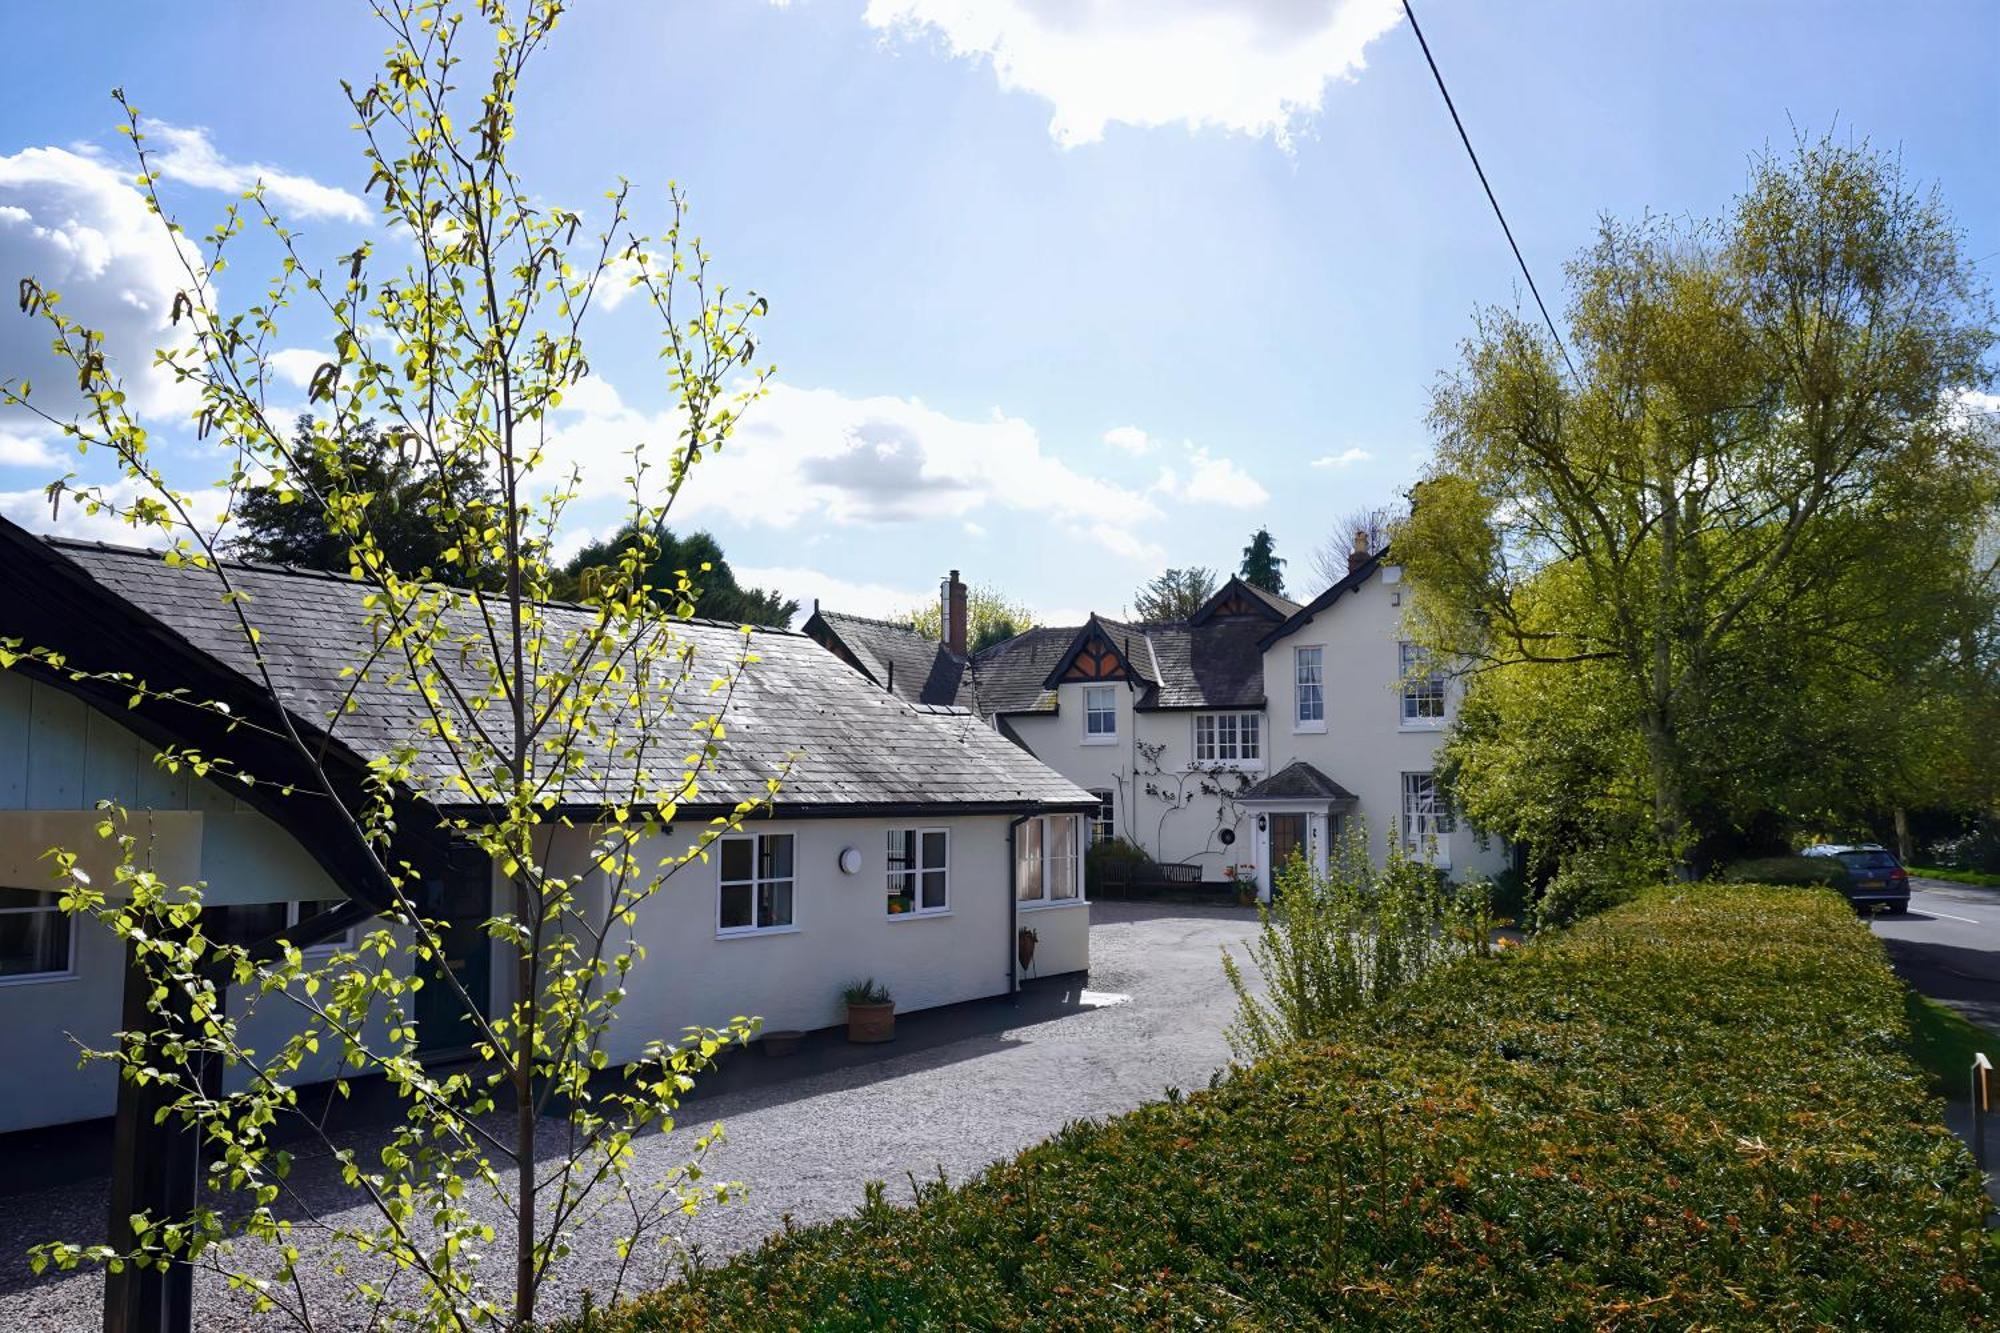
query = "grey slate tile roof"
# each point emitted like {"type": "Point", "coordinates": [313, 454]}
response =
{"type": "Point", "coordinates": [855, 745]}
{"type": "Point", "coordinates": [896, 657]}
{"type": "Point", "coordinates": [1296, 781]}
{"type": "Point", "coordinates": [1008, 677]}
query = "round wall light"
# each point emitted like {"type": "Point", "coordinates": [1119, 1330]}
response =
{"type": "Point", "coordinates": [850, 860]}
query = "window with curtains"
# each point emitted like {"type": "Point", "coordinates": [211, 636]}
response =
{"type": "Point", "coordinates": [1309, 688]}
{"type": "Point", "coordinates": [1045, 860]}
{"type": "Point", "coordinates": [1104, 823]}
{"type": "Point", "coordinates": [919, 865]}
{"type": "Point", "coordinates": [756, 884]}
{"type": "Point", "coordinates": [1100, 714]}
{"type": "Point", "coordinates": [37, 938]}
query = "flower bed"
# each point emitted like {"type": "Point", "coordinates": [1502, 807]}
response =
{"type": "Point", "coordinates": [1696, 1109]}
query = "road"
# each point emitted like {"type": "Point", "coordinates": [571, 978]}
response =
{"type": "Point", "coordinates": [1948, 947]}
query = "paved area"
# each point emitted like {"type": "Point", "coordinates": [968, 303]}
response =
{"type": "Point", "coordinates": [1948, 947]}
{"type": "Point", "coordinates": [985, 1083]}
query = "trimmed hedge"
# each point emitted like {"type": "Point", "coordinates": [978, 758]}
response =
{"type": "Point", "coordinates": [1977, 878]}
{"type": "Point", "coordinates": [1695, 1110]}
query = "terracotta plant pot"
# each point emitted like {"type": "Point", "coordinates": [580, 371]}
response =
{"type": "Point", "coordinates": [871, 1022]}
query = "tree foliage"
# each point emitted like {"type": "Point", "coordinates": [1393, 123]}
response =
{"type": "Point", "coordinates": [990, 615]}
{"type": "Point", "coordinates": [714, 593]}
{"type": "Point", "coordinates": [557, 743]}
{"type": "Point", "coordinates": [1263, 567]}
{"type": "Point", "coordinates": [405, 505]}
{"type": "Point", "coordinates": [1174, 594]}
{"type": "Point", "coordinates": [1742, 528]}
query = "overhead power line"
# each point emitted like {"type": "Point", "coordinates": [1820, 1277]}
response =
{"type": "Point", "coordinates": [1487, 185]}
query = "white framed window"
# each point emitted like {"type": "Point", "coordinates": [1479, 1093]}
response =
{"type": "Point", "coordinates": [1423, 688]}
{"type": "Point", "coordinates": [1104, 823]}
{"type": "Point", "coordinates": [1100, 714]}
{"type": "Point", "coordinates": [919, 871]}
{"type": "Point", "coordinates": [755, 890]}
{"type": "Point", "coordinates": [1309, 688]}
{"type": "Point", "coordinates": [1045, 861]}
{"type": "Point", "coordinates": [1427, 817]}
{"type": "Point", "coordinates": [1228, 738]}
{"type": "Point", "coordinates": [244, 924]}
{"type": "Point", "coordinates": [37, 938]}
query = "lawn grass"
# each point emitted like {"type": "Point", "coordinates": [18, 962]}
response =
{"type": "Point", "coordinates": [1943, 1042]}
{"type": "Point", "coordinates": [1978, 878]}
{"type": "Point", "coordinates": [1698, 1110]}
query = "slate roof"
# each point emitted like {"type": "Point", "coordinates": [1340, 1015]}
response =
{"type": "Point", "coordinates": [855, 746]}
{"type": "Point", "coordinates": [1296, 781]}
{"type": "Point", "coordinates": [896, 657]}
{"type": "Point", "coordinates": [1008, 677]}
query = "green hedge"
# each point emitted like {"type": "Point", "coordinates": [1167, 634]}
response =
{"type": "Point", "coordinates": [1975, 877]}
{"type": "Point", "coordinates": [1695, 1110]}
{"type": "Point", "coordinates": [1784, 870]}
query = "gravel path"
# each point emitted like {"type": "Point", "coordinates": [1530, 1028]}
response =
{"type": "Point", "coordinates": [805, 1148]}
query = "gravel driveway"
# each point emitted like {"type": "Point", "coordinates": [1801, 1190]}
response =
{"type": "Point", "coordinates": [806, 1146]}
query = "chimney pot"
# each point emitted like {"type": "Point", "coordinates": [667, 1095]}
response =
{"type": "Point", "coordinates": [954, 618]}
{"type": "Point", "coordinates": [1358, 557]}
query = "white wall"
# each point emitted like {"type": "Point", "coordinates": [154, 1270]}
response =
{"type": "Point", "coordinates": [1365, 747]}
{"type": "Point", "coordinates": [842, 931]}
{"type": "Point", "coordinates": [1161, 804]}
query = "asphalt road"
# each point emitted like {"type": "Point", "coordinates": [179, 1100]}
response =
{"type": "Point", "coordinates": [1948, 947]}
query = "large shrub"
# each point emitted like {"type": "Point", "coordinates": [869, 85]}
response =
{"type": "Point", "coordinates": [1697, 1110]}
{"type": "Point", "coordinates": [1795, 870]}
{"type": "Point", "coordinates": [1338, 938]}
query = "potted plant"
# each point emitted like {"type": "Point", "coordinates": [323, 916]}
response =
{"type": "Point", "coordinates": [871, 1011]}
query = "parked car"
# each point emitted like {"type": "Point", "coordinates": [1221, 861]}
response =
{"type": "Point", "coordinates": [1869, 873]}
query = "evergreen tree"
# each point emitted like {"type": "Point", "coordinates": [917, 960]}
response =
{"type": "Point", "coordinates": [1174, 594]}
{"type": "Point", "coordinates": [716, 595]}
{"type": "Point", "coordinates": [1263, 567]}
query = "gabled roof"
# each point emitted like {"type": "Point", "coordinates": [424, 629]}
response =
{"type": "Point", "coordinates": [1297, 781]}
{"type": "Point", "coordinates": [1302, 617]}
{"type": "Point", "coordinates": [1241, 597]}
{"type": "Point", "coordinates": [1174, 664]}
{"type": "Point", "coordinates": [853, 747]}
{"type": "Point", "coordinates": [895, 656]}
{"type": "Point", "coordinates": [1008, 677]}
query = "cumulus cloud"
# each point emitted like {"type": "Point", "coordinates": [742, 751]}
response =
{"type": "Point", "coordinates": [186, 154]}
{"type": "Point", "coordinates": [297, 365]}
{"type": "Point", "coordinates": [78, 226]}
{"type": "Point", "coordinates": [1256, 67]}
{"type": "Point", "coordinates": [1344, 459]}
{"type": "Point", "coordinates": [1211, 479]}
{"type": "Point", "coordinates": [19, 450]}
{"type": "Point", "coordinates": [1130, 439]}
{"type": "Point", "coordinates": [815, 455]}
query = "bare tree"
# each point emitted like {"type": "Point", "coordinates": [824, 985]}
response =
{"type": "Point", "coordinates": [1329, 558]}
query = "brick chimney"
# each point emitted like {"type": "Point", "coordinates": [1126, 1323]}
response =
{"type": "Point", "coordinates": [1358, 557]}
{"type": "Point", "coordinates": [951, 608]}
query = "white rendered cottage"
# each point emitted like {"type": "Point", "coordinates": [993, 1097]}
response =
{"type": "Point", "coordinates": [1255, 727]}
{"type": "Point", "coordinates": [909, 843]}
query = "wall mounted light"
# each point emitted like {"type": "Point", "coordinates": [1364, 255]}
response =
{"type": "Point", "coordinates": [1263, 823]}
{"type": "Point", "coordinates": [850, 860]}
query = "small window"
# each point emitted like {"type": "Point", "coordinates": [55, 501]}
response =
{"type": "Point", "coordinates": [1423, 689]}
{"type": "Point", "coordinates": [919, 866]}
{"type": "Point", "coordinates": [37, 938]}
{"type": "Point", "coordinates": [756, 884]}
{"type": "Point", "coordinates": [244, 924]}
{"type": "Point", "coordinates": [1103, 824]}
{"type": "Point", "coordinates": [1228, 738]}
{"type": "Point", "coordinates": [1309, 687]}
{"type": "Point", "coordinates": [1426, 814]}
{"type": "Point", "coordinates": [1100, 714]}
{"type": "Point", "coordinates": [1045, 859]}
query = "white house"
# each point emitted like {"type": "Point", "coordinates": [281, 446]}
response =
{"type": "Point", "coordinates": [909, 843]}
{"type": "Point", "coordinates": [1256, 726]}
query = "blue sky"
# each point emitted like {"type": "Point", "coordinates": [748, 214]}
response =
{"type": "Point", "coordinates": [1061, 293]}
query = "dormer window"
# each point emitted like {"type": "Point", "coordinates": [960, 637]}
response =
{"type": "Point", "coordinates": [1100, 714]}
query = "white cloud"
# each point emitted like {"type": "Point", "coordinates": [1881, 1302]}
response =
{"type": "Point", "coordinates": [30, 509]}
{"type": "Point", "coordinates": [78, 227]}
{"type": "Point", "coordinates": [815, 456]}
{"type": "Point", "coordinates": [18, 450]}
{"type": "Point", "coordinates": [297, 365]}
{"type": "Point", "coordinates": [1130, 439]}
{"type": "Point", "coordinates": [881, 600]}
{"type": "Point", "coordinates": [1256, 67]}
{"type": "Point", "coordinates": [185, 154]}
{"type": "Point", "coordinates": [1345, 458]}
{"type": "Point", "coordinates": [1211, 480]}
